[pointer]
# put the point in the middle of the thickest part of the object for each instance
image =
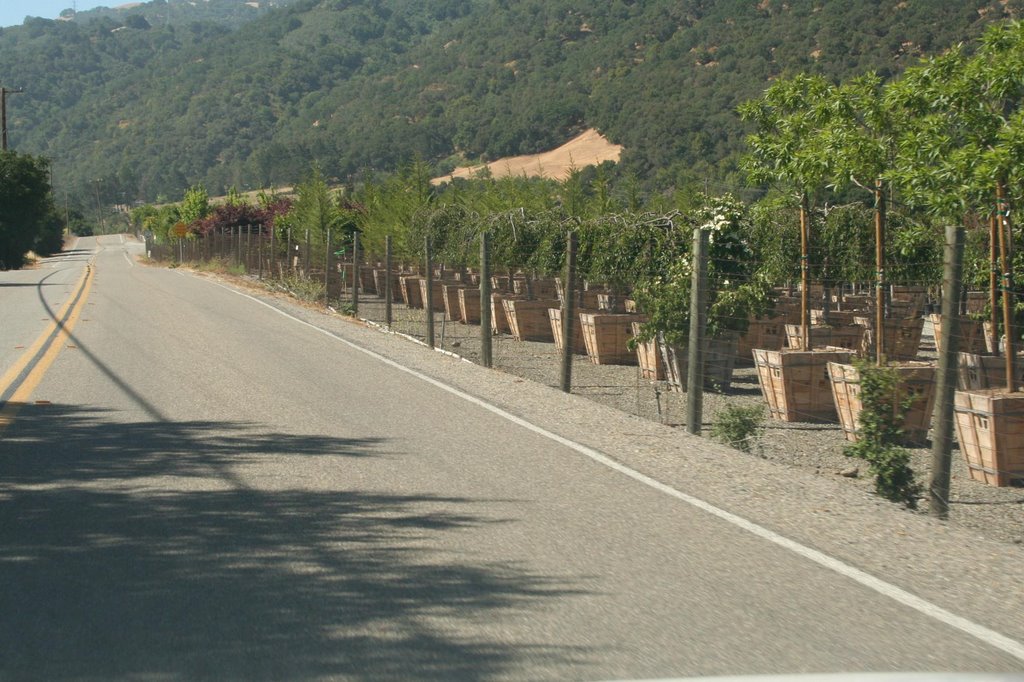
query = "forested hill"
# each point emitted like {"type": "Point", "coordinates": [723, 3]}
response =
{"type": "Point", "coordinates": [132, 109]}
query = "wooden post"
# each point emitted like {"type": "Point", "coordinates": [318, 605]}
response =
{"type": "Point", "coordinates": [259, 251]}
{"type": "Point", "coordinates": [1005, 237]}
{"type": "Point", "coordinates": [306, 256]}
{"type": "Point", "coordinates": [880, 267]}
{"type": "Point", "coordinates": [568, 310]}
{"type": "Point", "coordinates": [486, 358]}
{"type": "Point", "coordinates": [273, 252]}
{"type": "Point", "coordinates": [942, 420]}
{"type": "Point", "coordinates": [388, 294]}
{"type": "Point", "coordinates": [355, 273]}
{"type": "Point", "coordinates": [993, 279]}
{"type": "Point", "coordinates": [327, 268]}
{"type": "Point", "coordinates": [428, 304]}
{"type": "Point", "coordinates": [805, 276]}
{"type": "Point", "coordinates": [698, 318]}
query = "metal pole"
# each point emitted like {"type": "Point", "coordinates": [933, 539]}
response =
{"type": "Point", "coordinates": [428, 303]}
{"type": "Point", "coordinates": [388, 294]}
{"type": "Point", "coordinates": [698, 315]}
{"type": "Point", "coordinates": [486, 358]}
{"type": "Point", "coordinates": [942, 419]}
{"type": "Point", "coordinates": [355, 273]}
{"type": "Point", "coordinates": [568, 311]}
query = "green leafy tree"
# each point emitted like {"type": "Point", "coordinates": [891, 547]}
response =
{"type": "Point", "coordinates": [26, 208]}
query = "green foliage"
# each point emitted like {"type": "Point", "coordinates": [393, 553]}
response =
{"type": "Point", "coordinates": [739, 426]}
{"type": "Point", "coordinates": [195, 205]}
{"type": "Point", "coordinates": [881, 423]}
{"type": "Point", "coordinates": [27, 214]}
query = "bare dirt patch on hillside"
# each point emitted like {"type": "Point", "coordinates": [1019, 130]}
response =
{"type": "Point", "coordinates": [590, 148]}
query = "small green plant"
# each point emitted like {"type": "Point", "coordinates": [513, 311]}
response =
{"type": "Point", "coordinates": [881, 424]}
{"type": "Point", "coordinates": [302, 288]}
{"type": "Point", "coordinates": [739, 426]}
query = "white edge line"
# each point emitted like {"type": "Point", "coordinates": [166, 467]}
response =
{"type": "Point", "coordinates": [898, 594]}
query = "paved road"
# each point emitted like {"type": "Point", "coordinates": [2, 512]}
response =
{"type": "Point", "coordinates": [200, 486]}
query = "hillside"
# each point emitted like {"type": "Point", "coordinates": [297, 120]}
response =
{"type": "Point", "coordinates": [139, 110]}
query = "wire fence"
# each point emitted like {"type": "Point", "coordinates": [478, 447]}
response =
{"type": "Point", "coordinates": [811, 397]}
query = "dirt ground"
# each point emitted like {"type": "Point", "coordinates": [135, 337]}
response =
{"type": "Point", "coordinates": [587, 149]}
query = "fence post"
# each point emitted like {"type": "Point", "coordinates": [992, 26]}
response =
{"type": "Point", "coordinates": [428, 303]}
{"type": "Point", "coordinates": [356, 281]}
{"type": "Point", "coordinates": [388, 294]}
{"type": "Point", "coordinates": [259, 251]}
{"type": "Point", "coordinates": [698, 317]}
{"type": "Point", "coordinates": [327, 268]}
{"type": "Point", "coordinates": [942, 436]}
{"type": "Point", "coordinates": [486, 358]}
{"type": "Point", "coordinates": [248, 246]}
{"type": "Point", "coordinates": [568, 311]}
{"type": "Point", "coordinates": [306, 256]}
{"type": "Point", "coordinates": [288, 254]}
{"type": "Point", "coordinates": [273, 252]}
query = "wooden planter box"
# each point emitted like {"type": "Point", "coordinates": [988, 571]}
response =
{"type": "Point", "coordinates": [499, 321]}
{"type": "Point", "coordinates": [585, 300]}
{"type": "Point", "coordinates": [796, 384]}
{"type": "Point", "coordinates": [768, 334]}
{"type": "Point", "coordinates": [835, 337]}
{"type": "Point", "coordinates": [528, 320]}
{"type": "Point", "coordinates": [990, 428]}
{"type": "Point", "coordinates": [719, 363]}
{"type": "Point", "coordinates": [500, 284]}
{"type": "Point", "coordinates": [649, 358]}
{"type": "Point", "coordinates": [542, 288]}
{"type": "Point", "coordinates": [579, 347]}
{"type": "Point", "coordinates": [901, 338]}
{"type": "Point", "coordinates": [469, 306]}
{"type": "Point", "coordinates": [411, 292]}
{"type": "Point", "coordinates": [972, 335]}
{"type": "Point", "coordinates": [437, 294]}
{"type": "Point", "coordinates": [976, 372]}
{"type": "Point", "coordinates": [917, 379]}
{"type": "Point", "coordinates": [380, 283]}
{"type": "Point", "coordinates": [611, 303]}
{"type": "Point", "coordinates": [843, 318]}
{"type": "Point", "coordinates": [606, 336]}
{"type": "Point", "coordinates": [450, 294]}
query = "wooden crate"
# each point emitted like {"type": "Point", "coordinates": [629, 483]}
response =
{"type": "Point", "coordinates": [917, 381]}
{"type": "Point", "coordinates": [411, 292]}
{"type": "Point", "coordinates": [836, 317]}
{"type": "Point", "coordinates": [977, 372]}
{"type": "Point", "coordinates": [499, 321]}
{"type": "Point", "coordinates": [971, 338]}
{"type": "Point", "coordinates": [469, 305]}
{"type": "Point", "coordinates": [380, 283]}
{"type": "Point", "coordinates": [901, 339]}
{"type": "Point", "coordinates": [719, 362]}
{"type": "Point", "coordinates": [848, 336]}
{"type": "Point", "coordinates": [606, 336]}
{"type": "Point", "coordinates": [541, 288]}
{"type": "Point", "coordinates": [990, 428]}
{"type": "Point", "coordinates": [579, 347]}
{"type": "Point", "coordinates": [436, 292]}
{"type": "Point", "coordinates": [796, 384]}
{"type": "Point", "coordinates": [585, 299]}
{"type": "Point", "coordinates": [528, 320]}
{"type": "Point", "coordinates": [450, 294]}
{"type": "Point", "coordinates": [762, 333]}
{"type": "Point", "coordinates": [649, 358]}
{"type": "Point", "coordinates": [501, 284]}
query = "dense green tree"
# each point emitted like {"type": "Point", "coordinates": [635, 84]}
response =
{"type": "Point", "coordinates": [26, 208]}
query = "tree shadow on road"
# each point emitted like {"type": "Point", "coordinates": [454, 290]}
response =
{"type": "Point", "coordinates": [106, 575]}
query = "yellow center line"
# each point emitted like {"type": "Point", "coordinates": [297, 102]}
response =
{"type": "Point", "coordinates": [52, 339]}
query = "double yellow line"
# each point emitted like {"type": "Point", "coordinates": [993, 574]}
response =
{"type": "Point", "coordinates": [24, 376]}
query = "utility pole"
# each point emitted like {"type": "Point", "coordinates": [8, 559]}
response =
{"type": "Point", "coordinates": [3, 113]}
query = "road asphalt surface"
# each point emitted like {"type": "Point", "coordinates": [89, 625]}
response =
{"type": "Point", "coordinates": [200, 481]}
